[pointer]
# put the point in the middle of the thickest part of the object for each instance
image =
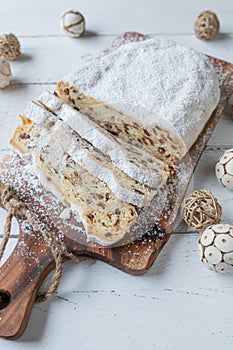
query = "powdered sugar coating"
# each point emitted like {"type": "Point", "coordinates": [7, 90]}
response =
{"type": "Point", "coordinates": [156, 82]}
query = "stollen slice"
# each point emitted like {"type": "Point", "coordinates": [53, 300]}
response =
{"type": "Point", "coordinates": [156, 140]}
{"type": "Point", "coordinates": [136, 163]}
{"type": "Point", "coordinates": [29, 136]}
{"type": "Point", "coordinates": [97, 164]}
{"type": "Point", "coordinates": [106, 219]}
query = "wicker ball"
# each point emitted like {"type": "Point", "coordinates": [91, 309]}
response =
{"type": "Point", "coordinates": [9, 47]}
{"type": "Point", "coordinates": [207, 25]}
{"type": "Point", "coordinates": [201, 209]}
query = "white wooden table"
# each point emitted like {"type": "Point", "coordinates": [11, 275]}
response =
{"type": "Point", "coordinates": [179, 304]}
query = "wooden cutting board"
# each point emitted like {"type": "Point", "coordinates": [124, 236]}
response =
{"type": "Point", "coordinates": [23, 273]}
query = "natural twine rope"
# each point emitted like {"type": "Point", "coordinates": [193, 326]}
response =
{"type": "Point", "coordinates": [201, 209]}
{"type": "Point", "coordinates": [15, 208]}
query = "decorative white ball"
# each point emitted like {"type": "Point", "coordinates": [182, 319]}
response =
{"type": "Point", "coordinates": [216, 246]}
{"type": "Point", "coordinates": [5, 73]}
{"type": "Point", "coordinates": [224, 169]}
{"type": "Point", "coordinates": [73, 23]}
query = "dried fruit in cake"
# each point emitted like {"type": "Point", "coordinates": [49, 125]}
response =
{"type": "Point", "coordinates": [141, 166]}
{"type": "Point", "coordinates": [82, 152]}
{"type": "Point", "coordinates": [105, 217]}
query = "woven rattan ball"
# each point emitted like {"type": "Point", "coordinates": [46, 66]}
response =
{"type": "Point", "coordinates": [201, 209]}
{"type": "Point", "coordinates": [207, 25]}
{"type": "Point", "coordinates": [9, 47]}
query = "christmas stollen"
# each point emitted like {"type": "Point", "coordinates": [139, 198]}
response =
{"type": "Point", "coordinates": [106, 219]}
{"type": "Point", "coordinates": [155, 94]}
{"type": "Point", "coordinates": [137, 164]}
{"type": "Point", "coordinates": [113, 152]}
{"type": "Point", "coordinates": [40, 121]}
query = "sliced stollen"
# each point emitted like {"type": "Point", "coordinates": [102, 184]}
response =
{"type": "Point", "coordinates": [106, 218]}
{"type": "Point", "coordinates": [124, 187]}
{"type": "Point", "coordinates": [142, 223]}
{"type": "Point", "coordinates": [156, 94]}
{"type": "Point", "coordinates": [154, 139]}
{"type": "Point", "coordinates": [84, 154]}
{"type": "Point", "coordinates": [22, 136]}
{"type": "Point", "coordinates": [27, 135]}
{"type": "Point", "coordinates": [33, 128]}
{"type": "Point", "coordinates": [136, 163]}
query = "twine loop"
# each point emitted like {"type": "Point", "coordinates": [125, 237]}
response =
{"type": "Point", "coordinates": [12, 204]}
{"type": "Point", "coordinates": [16, 208]}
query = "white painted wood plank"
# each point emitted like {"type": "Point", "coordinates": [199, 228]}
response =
{"type": "Point", "coordinates": [108, 17]}
{"type": "Point", "coordinates": [47, 60]}
{"type": "Point", "coordinates": [222, 135]}
{"type": "Point", "coordinates": [179, 304]}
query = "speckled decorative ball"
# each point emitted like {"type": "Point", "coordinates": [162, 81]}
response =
{"type": "Point", "coordinates": [216, 246]}
{"type": "Point", "coordinates": [73, 23]}
{"type": "Point", "coordinates": [207, 25]}
{"type": "Point", "coordinates": [224, 169]}
{"type": "Point", "coordinates": [9, 47]}
{"type": "Point", "coordinates": [5, 73]}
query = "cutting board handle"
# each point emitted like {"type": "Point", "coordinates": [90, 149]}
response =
{"type": "Point", "coordinates": [20, 279]}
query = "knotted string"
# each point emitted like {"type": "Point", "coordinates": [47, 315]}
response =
{"type": "Point", "coordinates": [19, 210]}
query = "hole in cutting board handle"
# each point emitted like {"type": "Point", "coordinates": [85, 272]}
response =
{"type": "Point", "coordinates": [5, 299]}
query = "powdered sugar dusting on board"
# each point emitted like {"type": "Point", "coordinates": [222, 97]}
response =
{"type": "Point", "coordinates": [224, 75]}
{"type": "Point", "coordinates": [156, 82]}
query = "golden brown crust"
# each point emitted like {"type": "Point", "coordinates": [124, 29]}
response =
{"type": "Point", "coordinates": [21, 136]}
